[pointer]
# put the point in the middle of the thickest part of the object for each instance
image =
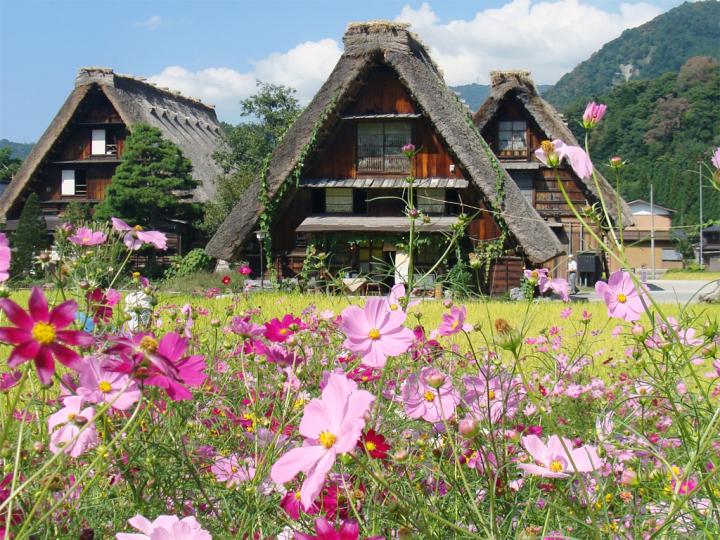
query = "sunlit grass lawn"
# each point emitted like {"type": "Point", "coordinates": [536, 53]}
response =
{"type": "Point", "coordinates": [699, 276]}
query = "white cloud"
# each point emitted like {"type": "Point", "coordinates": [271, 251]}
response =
{"type": "Point", "coordinates": [151, 23]}
{"type": "Point", "coordinates": [548, 37]}
{"type": "Point", "coordinates": [304, 68]}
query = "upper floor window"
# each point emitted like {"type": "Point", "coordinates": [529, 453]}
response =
{"type": "Point", "coordinates": [431, 200]}
{"type": "Point", "coordinates": [512, 136]}
{"type": "Point", "coordinates": [379, 147]}
{"type": "Point", "coordinates": [339, 201]}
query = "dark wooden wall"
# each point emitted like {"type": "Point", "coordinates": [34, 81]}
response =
{"type": "Point", "coordinates": [513, 109]}
{"type": "Point", "coordinates": [383, 94]}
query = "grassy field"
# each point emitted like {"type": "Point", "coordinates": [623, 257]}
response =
{"type": "Point", "coordinates": [700, 276]}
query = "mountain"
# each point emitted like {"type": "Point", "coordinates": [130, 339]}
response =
{"type": "Point", "coordinates": [474, 94]}
{"type": "Point", "coordinates": [17, 150]}
{"type": "Point", "coordinates": [645, 52]}
{"type": "Point", "coordinates": [663, 128]}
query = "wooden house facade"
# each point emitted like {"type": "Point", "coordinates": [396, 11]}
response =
{"type": "Point", "coordinates": [76, 157]}
{"type": "Point", "coordinates": [514, 120]}
{"type": "Point", "coordinates": [338, 177]}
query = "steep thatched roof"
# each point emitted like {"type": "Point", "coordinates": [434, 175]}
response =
{"type": "Point", "coordinates": [519, 85]}
{"type": "Point", "coordinates": [189, 123]}
{"type": "Point", "coordinates": [367, 45]}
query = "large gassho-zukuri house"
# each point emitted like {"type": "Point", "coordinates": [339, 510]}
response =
{"type": "Point", "coordinates": [514, 120]}
{"type": "Point", "coordinates": [336, 178]}
{"type": "Point", "coordinates": [76, 157]}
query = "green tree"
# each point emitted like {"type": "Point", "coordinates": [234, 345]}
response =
{"type": "Point", "coordinates": [30, 238]}
{"type": "Point", "coordinates": [8, 164]}
{"type": "Point", "coordinates": [246, 146]}
{"type": "Point", "coordinates": [150, 183]}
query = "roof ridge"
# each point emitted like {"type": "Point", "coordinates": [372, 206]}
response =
{"type": "Point", "coordinates": [106, 76]}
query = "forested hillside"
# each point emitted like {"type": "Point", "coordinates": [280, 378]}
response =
{"type": "Point", "coordinates": [662, 127]}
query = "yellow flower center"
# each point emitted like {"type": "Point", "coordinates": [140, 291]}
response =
{"type": "Point", "coordinates": [327, 439]}
{"type": "Point", "coordinates": [429, 396]}
{"type": "Point", "coordinates": [137, 228]}
{"type": "Point", "coordinates": [374, 334]}
{"type": "Point", "coordinates": [491, 394]}
{"type": "Point", "coordinates": [621, 298]}
{"type": "Point", "coordinates": [548, 147]}
{"type": "Point", "coordinates": [283, 331]}
{"type": "Point", "coordinates": [298, 496]}
{"type": "Point", "coordinates": [393, 307]}
{"type": "Point", "coordinates": [370, 446]}
{"type": "Point", "coordinates": [104, 387]}
{"type": "Point", "coordinates": [43, 333]}
{"type": "Point", "coordinates": [71, 417]}
{"type": "Point", "coordinates": [148, 344]}
{"type": "Point", "coordinates": [253, 422]}
{"type": "Point", "coordinates": [454, 324]}
{"type": "Point", "coordinates": [86, 239]}
{"type": "Point", "coordinates": [534, 274]}
{"type": "Point", "coordinates": [556, 465]}
{"type": "Point", "coordinates": [233, 469]}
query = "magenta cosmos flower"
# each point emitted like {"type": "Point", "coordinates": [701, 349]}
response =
{"type": "Point", "coordinates": [87, 237]}
{"type": "Point", "coordinates": [72, 418]}
{"type": "Point", "coordinates": [39, 334]}
{"type": "Point", "coordinates": [4, 258]}
{"type": "Point", "coordinates": [98, 384]}
{"type": "Point", "coordinates": [716, 158]}
{"type": "Point", "coordinates": [349, 530]}
{"type": "Point", "coordinates": [558, 458]}
{"type": "Point", "coordinates": [594, 112]}
{"type": "Point", "coordinates": [557, 285]}
{"type": "Point", "coordinates": [552, 153]}
{"type": "Point", "coordinates": [162, 364]}
{"type": "Point", "coordinates": [452, 322]}
{"type": "Point", "coordinates": [375, 332]}
{"type": "Point", "coordinates": [165, 528]}
{"type": "Point", "coordinates": [135, 237]}
{"type": "Point", "coordinates": [429, 396]}
{"type": "Point", "coordinates": [331, 425]}
{"type": "Point", "coordinates": [280, 330]}
{"type": "Point", "coordinates": [621, 297]}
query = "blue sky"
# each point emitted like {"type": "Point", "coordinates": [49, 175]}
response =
{"type": "Point", "coordinates": [215, 50]}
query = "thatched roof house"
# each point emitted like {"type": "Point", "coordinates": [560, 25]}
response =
{"type": "Point", "coordinates": [518, 86]}
{"type": "Point", "coordinates": [388, 47]}
{"type": "Point", "coordinates": [83, 143]}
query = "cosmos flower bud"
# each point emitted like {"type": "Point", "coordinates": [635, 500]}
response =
{"type": "Point", "coordinates": [435, 378]}
{"type": "Point", "coordinates": [408, 150]}
{"type": "Point", "coordinates": [468, 427]}
{"type": "Point", "coordinates": [414, 213]}
{"type": "Point", "coordinates": [594, 112]}
{"type": "Point", "coordinates": [616, 162]}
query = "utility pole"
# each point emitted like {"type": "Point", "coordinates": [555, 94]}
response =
{"type": "Point", "coordinates": [701, 214]}
{"type": "Point", "coordinates": [652, 231]}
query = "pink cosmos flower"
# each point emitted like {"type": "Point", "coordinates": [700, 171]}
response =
{"type": "Point", "coordinates": [244, 327]}
{"type": "Point", "coordinates": [331, 425]}
{"type": "Point", "coordinates": [594, 112]}
{"type": "Point", "coordinates": [8, 380]}
{"type": "Point", "coordinates": [71, 419]}
{"type": "Point", "coordinates": [244, 270]}
{"type": "Point", "coordinates": [559, 458]}
{"type": "Point", "coordinates": [102, 303]}
{"type": "Point", "coordinates": [4, 258]}
{"type": "Point", "coordinates": [280, 330]}
{"type": "Point", "coordinates": [232, 470]}
{"type": "Point", "coordinates": [375, 332]}
{"type": "Point", "coordinates": [165, 528]}
{"type": "Point", "coordinates": [161, 364]}
{"type": "Point", "coordinates": [98, 384]}
{"type": "Point", "coordinates": [536, 274]}
{"type": "Point", "coordinates": [87, 237]}
{"type": "Point", "coordinates": [621, 297]}
{"type": "Point", "coordinates": [349, 530]}
{"type": "Point", "coordinates": [290, 503]}
{"type": "Point", "coordinates": [552, 153]}
{"type": "Point", "coordinates": [136, 237]}
{"type": "Point", "coordinates": [430, 396]}
{"type": "Point", "coordinates": [39, 334]}
{"type": "Point", "coordinates": [452, 322]}
{"type": "Point", "coordinates": [716, 158]}
{"type": "Point", "coordinates": [557, 285]}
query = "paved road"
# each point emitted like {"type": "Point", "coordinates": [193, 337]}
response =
{"type": "Point", "coordinates": [667, 291]}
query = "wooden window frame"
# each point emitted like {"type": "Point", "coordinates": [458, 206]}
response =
{"type": "Point", "coordinates": [385, 170]}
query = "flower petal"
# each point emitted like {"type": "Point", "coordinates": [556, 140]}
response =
{"type": "Point", "coordinates": [16, 314]}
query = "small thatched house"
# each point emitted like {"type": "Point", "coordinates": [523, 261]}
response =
{"type": "Point", "coordinates": [514, 120]}
{"type": "Point", "coordinates": [76, 157]}
{"type": "Point", "coordinates": [336, 178]}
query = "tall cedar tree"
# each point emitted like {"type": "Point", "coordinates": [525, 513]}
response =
{"type": "Point", "coordinates": [145, 184]}
{"type": "Point", "coordinates": [30, 238]}
{"type": "Point", "coordinates": [269, 112]}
